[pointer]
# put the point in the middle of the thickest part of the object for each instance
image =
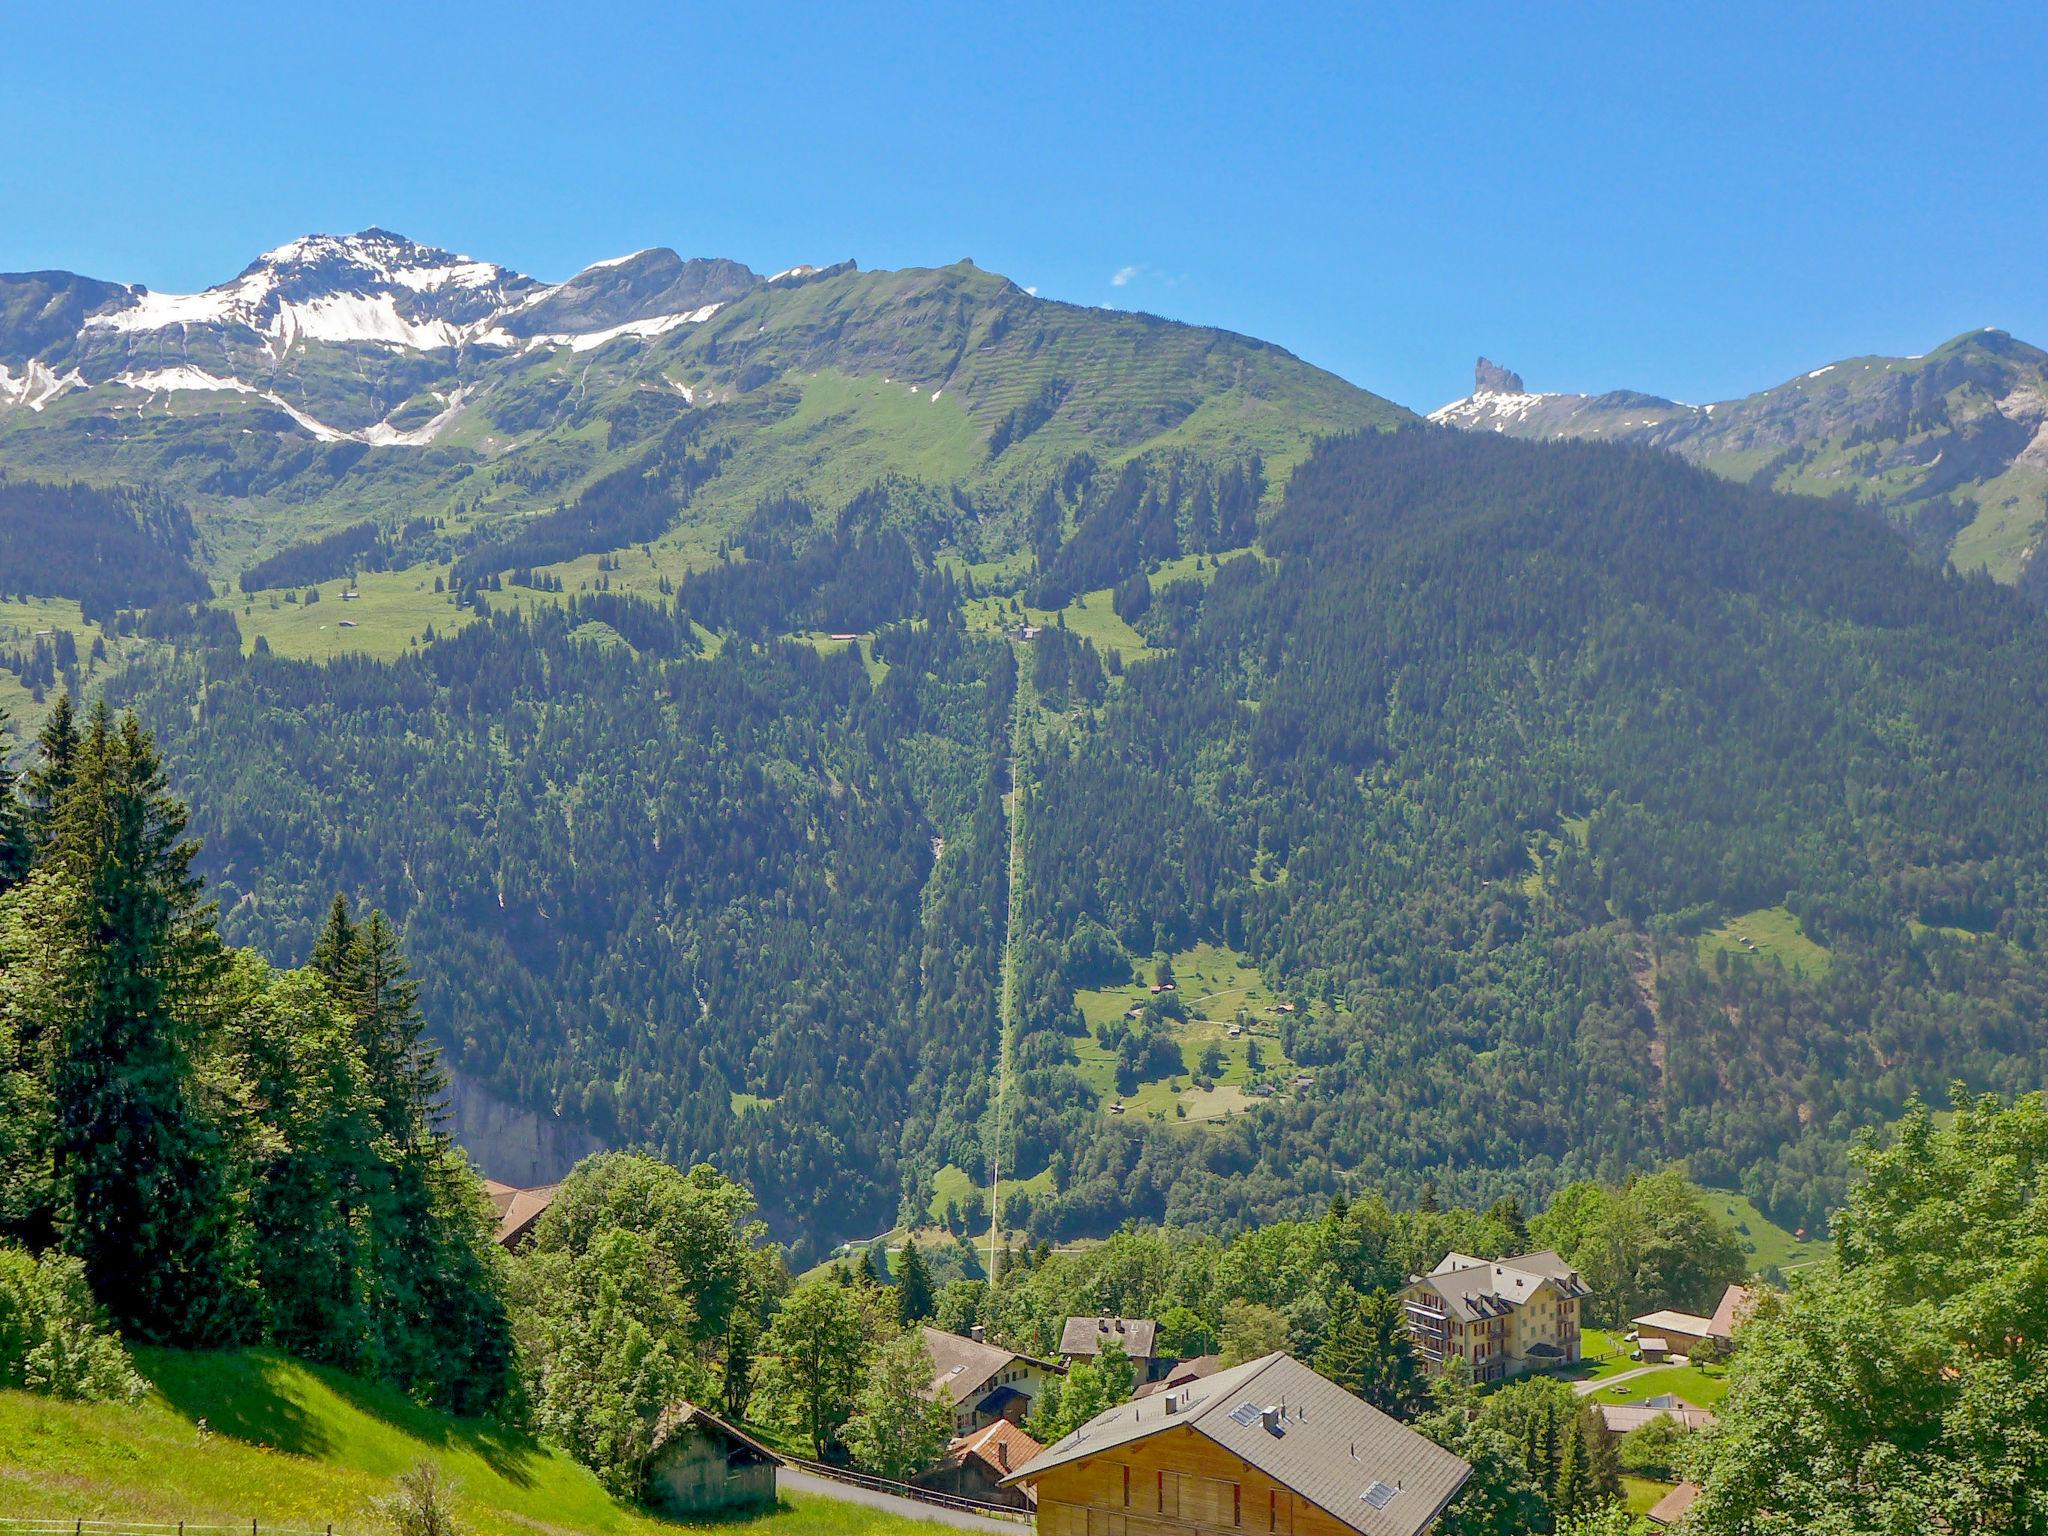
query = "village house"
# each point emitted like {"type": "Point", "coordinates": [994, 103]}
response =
{"type": "Point", "coordinates": [518, 1209]}
{"type": "Point", "coordinates": [1667, 1332]}
{"type": "Point", "coordinates": [983, 1382]}
{"type": "Point", "coordinates": [1268, 1446]}
{"type": "Point", "coordinates": [976, 1464]}
{"type": "Point", "coordinates": [1082, 1338]}
{"type": "Point", "coordinates": [1501, 1316]}
{"type": "Point", "coordinates": [1182, 1374]}
{"type": "Point", "coordinates": [701, 1465]}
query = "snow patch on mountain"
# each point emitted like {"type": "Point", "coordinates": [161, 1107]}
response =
{"type": "Point", "coordinates": [164, 380]}
{"type": "Point", "coordinates": [1493, 410]}
{"type": "Point", "coordinates": [36, 385]}
{"type": "Point", "coordinates": [585, 341]}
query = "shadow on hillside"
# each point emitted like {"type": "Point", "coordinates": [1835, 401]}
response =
{"type": "Point", "coordinates": [261, 1397]}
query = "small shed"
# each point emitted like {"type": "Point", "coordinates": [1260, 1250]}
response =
{"type": "Point", "coordinates": [701, 1465]}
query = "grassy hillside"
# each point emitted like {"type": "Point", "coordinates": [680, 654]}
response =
{"type": "Point", "coordinates": [225, 1438]}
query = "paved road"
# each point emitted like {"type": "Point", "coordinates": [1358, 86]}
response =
{"type": "Point", "coordinates": [909, 1509]}
{"type": "Point", "coordinates": [1593, 1384]}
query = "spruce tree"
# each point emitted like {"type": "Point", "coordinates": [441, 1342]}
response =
{"type": "Point", "coordinates": [14, 840]}
{"type": "Point", "coordinates": [913, 1288]}
{"type": "Point", "coordinates": [1345, 1355]}
{"type": "Point", "coordinates": [49, 779]}
{"type": "Point", "coordinates": [138, 1165]}
{"type": "Point", "coordinates": [333, 956]}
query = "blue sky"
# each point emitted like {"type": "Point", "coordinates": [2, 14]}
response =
{"type": "Point", "coordinates": [1700, 202]}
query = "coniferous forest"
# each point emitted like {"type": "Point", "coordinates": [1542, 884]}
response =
{"type": "Point", "coordinates": [1469, 754]}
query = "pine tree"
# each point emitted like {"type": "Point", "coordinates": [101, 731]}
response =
{"type": "Point", "coordinates": [407, 1081]}
{"type": "Point", "coordinates": [333, 952]}
{"type": "Point", "coordinates": [1344, 1357]}
{"type": "Point", "coordinates": [14, 839]}
{"type": "Point", "coordinates": [1572, 1492]}
{"type": "Point", "coordinates": [49, 780]}
{"type": "Point", "coordinates": [138, 1166]}
{"type": "Point", "coordinates": [913, 1287]}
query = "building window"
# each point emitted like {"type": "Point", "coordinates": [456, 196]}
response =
{"type": "Point", "coordinates": [1236, 1504]}
{"type": "Point", "coordinates": [1272, 1509]}
{"type": "Point", "coordinates": [1162, 1492]}
{"type": "Point", "coordinates": [1127, 1487]}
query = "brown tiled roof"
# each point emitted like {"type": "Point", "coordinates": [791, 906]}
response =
{"type": "Point", "coordinates": [1376, 1475]}
{"type": "Point", "coordinates": [1670, 1509]}
{"type": "Point", "coordinates": [518, 1209]}
{"type": "Point", "coordinates": [1182, 1374]}
{"type": "Point", "coordinates": [1084, 1336]}
{"type": "Point", "coordinates": [1001, 1449]}
{"type": "Point", "coordinates": [1737, 1302]}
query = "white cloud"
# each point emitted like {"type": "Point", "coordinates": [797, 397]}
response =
{"type": "Point", "coordinates": [1123, 275]}
{"type": "Point", "coordinates": [1032, 290]}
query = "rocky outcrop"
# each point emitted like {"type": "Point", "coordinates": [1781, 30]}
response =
{"type": "Point", "coordinates": [1489, 378]}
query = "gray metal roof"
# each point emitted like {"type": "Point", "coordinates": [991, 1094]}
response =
{"type": "Point", "coordinates": [1326, 1445]}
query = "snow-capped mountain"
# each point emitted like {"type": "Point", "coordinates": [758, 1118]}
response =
{"type": "Point", "coordinates": [340, 332]}
{"type": "Point", "coordinates": [381, 289]}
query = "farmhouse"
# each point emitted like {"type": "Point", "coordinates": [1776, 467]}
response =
{"type": "Point", "coordinates": [1669, 1332]}
{"type": "Point", "coordinates": [518, 1209]}
{"type": "Point", "coordinates": [1268, 1446]}
{"type": "Point", "coordinates": [702, 1464]}
{"type": "Point", "coordinates": [976, 1464]}
{"type": "Point", "coordinates": [1502, 1317]}
{"type": "Point", "coordinates": [983, 1382]}
{"type": "Point", "coordinates": [1082, 1338]}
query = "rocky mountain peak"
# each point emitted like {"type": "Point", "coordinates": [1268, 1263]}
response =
{"type": "Point", "coordinates": [1489, 378]}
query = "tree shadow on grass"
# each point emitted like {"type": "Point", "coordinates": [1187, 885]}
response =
{"type": "Point", "coordinates": [255, 1395]}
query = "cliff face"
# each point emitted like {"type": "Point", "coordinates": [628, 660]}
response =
{"type": "Point", "coordinates": [510, 1143]}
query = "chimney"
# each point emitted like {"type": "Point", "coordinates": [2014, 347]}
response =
{"type": "Point", "coordinates": [1102, 1325]}
{"type": "Point", "coordinates": [1119, 1325]}
{"type": "Point", "coordinates": [1270, 1416]}
{"type": "Point", "coordinates": [1003, 1453]}
{"type": "Point", "coordinates": [977, 1333]}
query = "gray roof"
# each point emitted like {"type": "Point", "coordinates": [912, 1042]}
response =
{"type": "Point", "coordinates": [1328, 1446]}
{"type": "Point", "coordinates": [1083, 1336]}
{"type": "Point", "coordinates": [961, 1368]}
{"type": "Point", "coordinates": [1474, 1288]}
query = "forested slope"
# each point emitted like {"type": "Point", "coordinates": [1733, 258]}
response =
{"type": "Point", "coordinates": [1508, 729]}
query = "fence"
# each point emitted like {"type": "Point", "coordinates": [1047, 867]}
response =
{"type": "Point", "coordinates": [906, 1491]}
{"type": "Point", "coordinates": [55, 1527]}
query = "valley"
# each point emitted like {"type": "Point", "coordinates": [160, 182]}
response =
{"type": "Point", "coordinates": [639, 641]}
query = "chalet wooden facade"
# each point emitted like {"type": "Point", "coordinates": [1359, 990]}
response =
{"type": "Point", "coordinates": [1268, 1447]}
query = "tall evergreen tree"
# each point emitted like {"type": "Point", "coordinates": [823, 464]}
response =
{"type": "Point", "coordinates": [136, 1158]}
{"type": "Point", "coordinates": [14, 840]}
{"type": "Point", "coordinates": [913, 1287]}
{"type": "Point", "coordinates": [48, 780]}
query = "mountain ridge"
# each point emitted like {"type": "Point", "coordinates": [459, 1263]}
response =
{"type": "Point", "coordinates": [1952, 444]}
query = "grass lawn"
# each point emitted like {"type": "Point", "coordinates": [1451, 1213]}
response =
{"type": "Point", "coordinates": [393, 611]}
{"type": "Point", "coordinates": [1642, 1493]}
{"type": "Point", "coordinates": [1213, 984]}
{"type": "Point", "coordinates": [1701, 1385]}
{"type": "Point", "coordinates": [230, 1437]}
{"type": "Point", "coordinates": [1765, 1242]}
{"type": "Point", "coordinates": [1775, 934]}
{"type": "Point", "coordinates": [1603, 1354]}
